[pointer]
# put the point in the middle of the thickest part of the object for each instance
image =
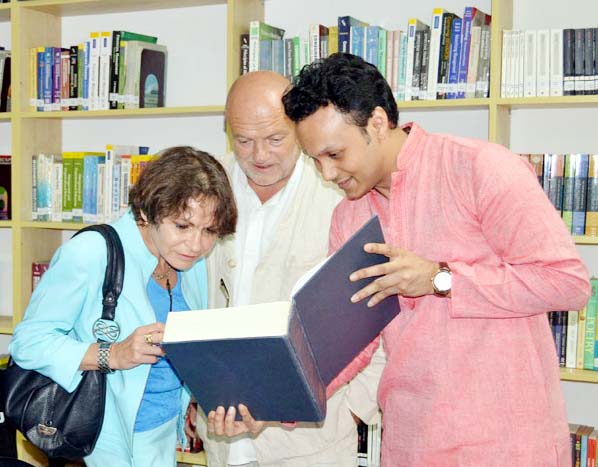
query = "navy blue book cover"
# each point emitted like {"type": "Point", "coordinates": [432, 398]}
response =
{"type": "Point", "coordinates": [327, 313]}
{"type": "Point", "coordinates": [282, 377]}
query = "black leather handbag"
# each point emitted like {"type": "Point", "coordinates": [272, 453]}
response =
{"type": "Point", "coordinates": [60, 423]}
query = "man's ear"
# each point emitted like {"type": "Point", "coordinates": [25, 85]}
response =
{"type": "Point", "coordinates": [378, 122]}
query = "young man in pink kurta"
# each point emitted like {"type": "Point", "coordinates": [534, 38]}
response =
{"type": "Point", "coordinates": [472, 375]}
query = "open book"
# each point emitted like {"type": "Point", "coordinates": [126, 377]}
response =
{"type": "Point", "coordinates": [277, 358]}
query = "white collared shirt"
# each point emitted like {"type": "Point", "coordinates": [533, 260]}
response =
{"type": "Point", "coordinates": [256, 224]}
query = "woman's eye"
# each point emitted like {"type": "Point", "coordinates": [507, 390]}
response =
{"type": "Point", "coordinates": [181, 226]}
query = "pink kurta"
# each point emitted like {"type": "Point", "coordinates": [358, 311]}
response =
{"type": "Point", "coordinates": [472, 380]}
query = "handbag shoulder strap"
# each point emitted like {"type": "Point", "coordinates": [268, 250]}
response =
{"type": "Point", "coordinates": [115, 268]}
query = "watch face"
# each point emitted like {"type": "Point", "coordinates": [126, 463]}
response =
{"type": "Point", "coordinates": [442, 281]}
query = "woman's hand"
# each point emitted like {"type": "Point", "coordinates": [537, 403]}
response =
{"type": "Point", "coordinates": [142, 346]}
{"type": "Point", "coordinates": [223, 423]}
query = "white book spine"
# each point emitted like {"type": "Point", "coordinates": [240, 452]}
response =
{"type": "Point", "coordinates": [94, 70]}
{"type": "Point", "coordinates": [104, 71]}
{"type": "Point", "coordinates": [56, 207]}
{"type": "Point", "coordinates": [529, 65]}
{"type": "Point", "coordinates": [543, 63]}
{"type": "Point", "coordinates": [254, 46]}
{"type": "Point", "coordinates": [474, 58]}
{"type": "Point", "coordinates": [504, 72]}
{"type": "Point", "coordinates": [556, 63]}
{"type": "Point", "coordinates": [125, 173]}
{"type": "Point", "coordinates": [314, 42]}
{"type": "Point", "coordinates": [571, 349]}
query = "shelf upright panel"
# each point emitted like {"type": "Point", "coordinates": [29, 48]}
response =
{"type": "Point", "coordinates": [499, 119]}
{"type": "Point", "coordinates": [239, 14]}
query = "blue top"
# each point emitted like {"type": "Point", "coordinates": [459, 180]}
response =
{"type": "Point", "coordinates": [161, 398]}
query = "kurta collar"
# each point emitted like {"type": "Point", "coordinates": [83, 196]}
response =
{"type": "Point", "coordinates": [409, 149]}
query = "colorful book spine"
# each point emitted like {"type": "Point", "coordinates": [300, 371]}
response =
{"type": "Point", "coordinates": [455, 58]}
{"type": "Point", "coordinates": [590, 324]}
{"type": "Point", "coordinates": [580, 186]}
{"type": "Point", "coordinates": [67, 188]}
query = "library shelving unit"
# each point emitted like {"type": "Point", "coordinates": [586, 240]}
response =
{"type": "Point", "coordinates": [39, 22]}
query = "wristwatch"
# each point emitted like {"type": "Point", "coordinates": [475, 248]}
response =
{"type": "Point", "coordinates": [104, 357]}
{"type": "Point", "coordinates": [441, 280]}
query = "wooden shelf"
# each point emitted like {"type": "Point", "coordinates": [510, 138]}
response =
{"type": "Point", "coordinates": [6, 224]}
{"type": "Point", "coordinates": [585, 240]}
{"type": "Point", "coordinates": [127, 113]}
{"type": "Point", "coordinates": [92, 7]}
{"type": "Point", "coordinates": [54, 225]}
{"type": "Point", "coordinates": [444, 103]}
{"type": "Point", "coordinates": [5, 115]}
{"type": "Point", "coordinates": [541, 102]}
{"type": "Point", "coordinates": [5, 324]}
{"type": "Point", "coordinates": [198, 458]}
{"type": "Point", "coordinates": [582, 376]}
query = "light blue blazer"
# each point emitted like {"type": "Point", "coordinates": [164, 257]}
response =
{"type": "Point", "coordinates": [57, 328]}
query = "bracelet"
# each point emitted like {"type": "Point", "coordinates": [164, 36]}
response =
{"type": "Point", "coordinates": [104, 357]}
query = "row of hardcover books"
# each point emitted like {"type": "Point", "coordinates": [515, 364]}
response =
{"type": "Point", "coordinates": [448, 60]}
{"type": "Point", "coordinates": [571, 183]}
{"type": "Point", "coordinates": [87, 187]}
{"type": "Point", "coordinates": [369, 440]}
{"type": "Point", "coordinates": [5, 95]}
{"type": "Point", "coordinates": [111, 70]}
{"type": "Point", "coordinates": [575, 334]}
{"type": "Point", "coordinates": [583, 445]}
{"type": "Point", "coordinates": [549, 62]}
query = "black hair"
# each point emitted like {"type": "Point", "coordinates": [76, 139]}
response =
{"type": "Point", "coordinates": [346, 81]}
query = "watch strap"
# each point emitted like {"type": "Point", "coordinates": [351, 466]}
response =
{"type": "Point", "coordinates": [104, 357]}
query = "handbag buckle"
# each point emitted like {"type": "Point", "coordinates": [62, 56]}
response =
{"type": "Point", "coordinates": [46, 430]}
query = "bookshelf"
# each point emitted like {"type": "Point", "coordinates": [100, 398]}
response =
{"type": "Point", "coordinates": [199, 109]}
{"type": "Point", "coordinates": [56, 22]}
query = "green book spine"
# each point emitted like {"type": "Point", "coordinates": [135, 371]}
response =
{"type": "Point", "coordinates": [67, 188]}
{"type": "Point", "coordinates": [78, 188]}
{"type": "Point", "coordinates": [382, 36]}
{"type": "Point", "coordinates": [590, 336]}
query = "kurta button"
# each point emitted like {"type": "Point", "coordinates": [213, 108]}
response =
{"type": "Point", "coordinates": [232, 263]}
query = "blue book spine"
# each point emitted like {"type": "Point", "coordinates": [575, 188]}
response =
{"type": "Point", "coordinates": [580, 186]}
{"type": "Point", "coordinates": [90, 187]}
{"type": "Point", "coordinates": [116, 176]}
{"type": "Point", "coordinates": [371, 44]}
{"type": "Point", "coordinates": [583, 457]}
{"type": "Point", "coordinates": [56, 77]}
{"type": "Point", "coordinates": [454, 58]}
{"type": "Point", "coordinates": [265, 62]}
{"type": "Point", "coordinates": [48, 77]}
{"type": "Point", "coordinates": [41, 79]}
{"type": "Point", "coordinates": [357, 41]}
{"type": "Point", "coordinates": [465, 45]}
{"type": "Point", "coordinates": [344, 30]}
{"type": "Point", "coordinates": [86, 76]}
{"type": "Point", "coordinates": [278, 62]}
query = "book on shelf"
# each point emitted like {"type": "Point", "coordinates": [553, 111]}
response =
{"type": "Point", "coordinates": [117, 71]}
{"type": "Point", "coordinates": [5, 81]}
{"type": "Point", "coordinates": [152, 80]}
{"type": "Point", "coordinates": [146, 90]}
{"type": "Point", "coordinates": [38, 268]}
{"type": "Point", "coordinates": [5, 188]}
{"type": "Point", "coordinates": [277, 358]}
{"type": "Point", "coordinates": [261, 34]}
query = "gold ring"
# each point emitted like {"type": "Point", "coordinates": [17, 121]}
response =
{"type": "Point", "coordinates": [148, 339]}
